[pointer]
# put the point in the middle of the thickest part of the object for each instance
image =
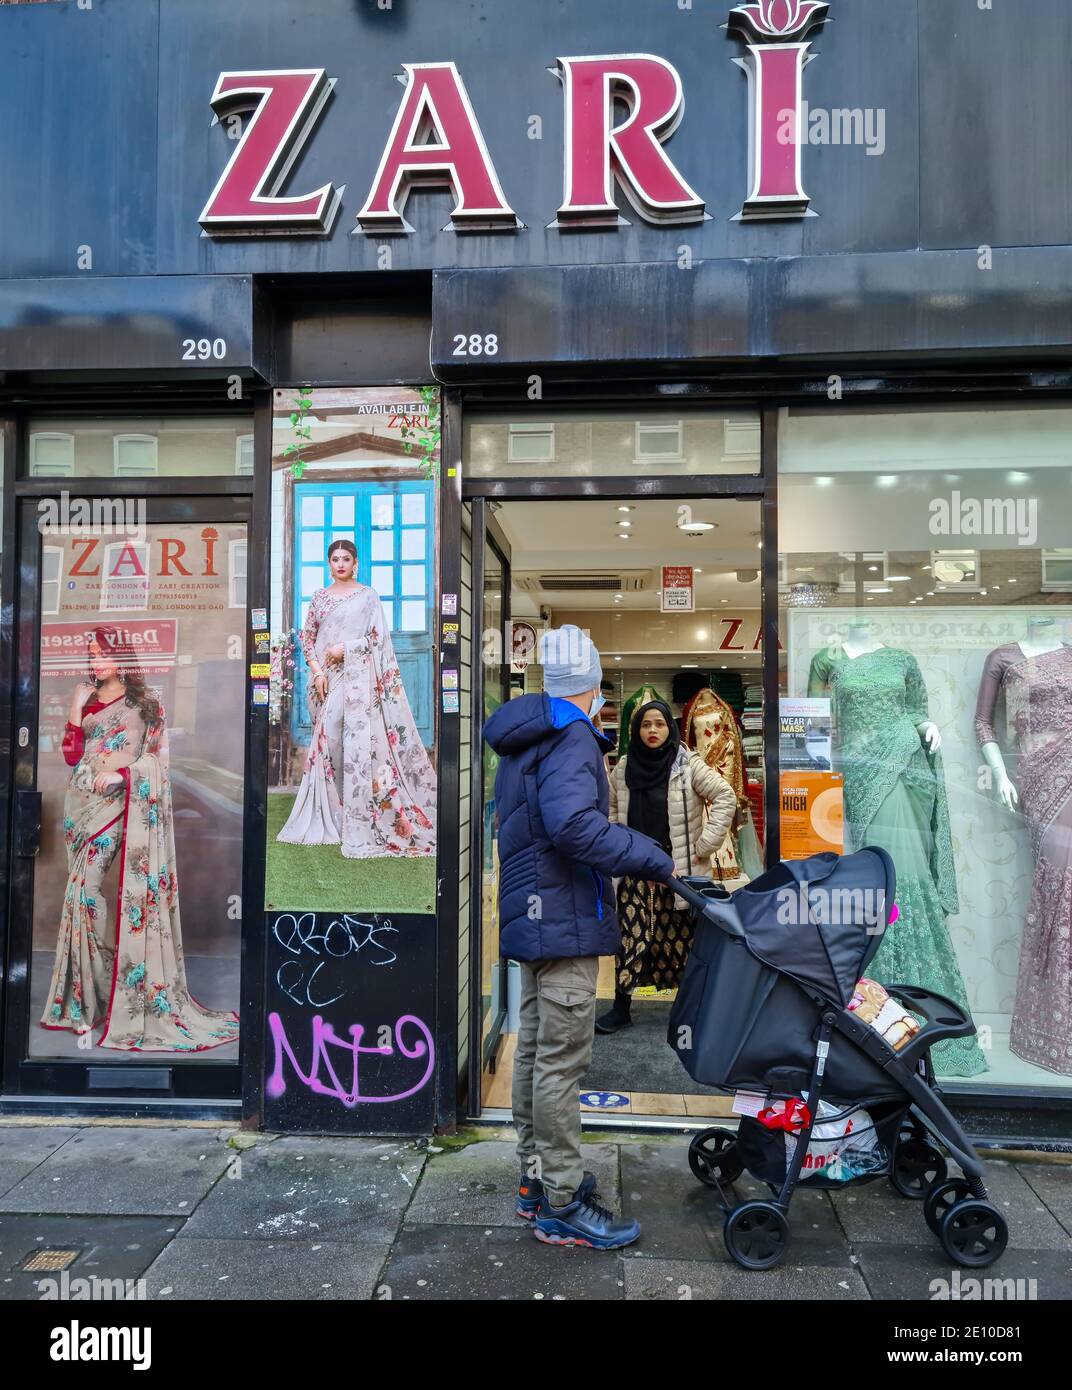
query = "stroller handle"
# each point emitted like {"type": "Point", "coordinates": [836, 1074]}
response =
{"type": "Point", "coordinates": [721, 911]}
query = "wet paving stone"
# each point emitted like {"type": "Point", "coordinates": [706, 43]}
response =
{"type": "Point", "coordinates": [132, 1171]}
{"type": "Point", "coordinates": [24, 1147]}
{"type": "Point", "coordinates": [494, 1263]}
{"type": "Point", "coordinates": [478, 1185]}
{"type": "Point", "coordinates": [896, 1271]}
{"type": "Point", "coordinates": [112, 1250]}
{"type": "Point", "coordinates": [312, 1189]}
{"type": "Point", "coordinates": [305, 1270]}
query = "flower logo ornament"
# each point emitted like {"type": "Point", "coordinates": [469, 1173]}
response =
{"type": "Point", "coordinates": [780, 19]}
{"type": "Point", "coordinates": [777, 55]}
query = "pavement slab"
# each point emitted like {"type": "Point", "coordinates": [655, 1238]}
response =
{"type": "Point", "coordinates": [1052, 1183]}
{"type": "Point", "coordinates": [923, 1272]}
{"type": "Point", "coordinates": [495, 1263]}
{"type": "Point", "coordinates": [681, 1218]}
{"type": "Point", "coordinates": [477, 1185]}
{"type": "Point", "coordinates": [876, 1213]}
{"type": "Point", "coordinates": [115, 1171]}
{"type": "Point", "coordinates": [24, 1147]}
{"type": "Point", "coordinates": [301, 1188]}
{"type": "Point", "coordinates": [677, 1281]}
{"type": "Point", "coordinates": [306, 1270]}
{"type": "Point", "coordinates": [109, 1248]}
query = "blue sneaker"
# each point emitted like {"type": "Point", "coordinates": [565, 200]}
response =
{"type": "Point", "coordinates": [584, 1221]}
{"type": "Point", "coordinates": [530, 1195]}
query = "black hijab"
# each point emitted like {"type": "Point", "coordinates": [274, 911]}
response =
{"type": "Point", "coordinates": [647, 775]}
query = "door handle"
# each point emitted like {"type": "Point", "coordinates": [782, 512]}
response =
{"type": "Point", "coordinates": [27, 823]}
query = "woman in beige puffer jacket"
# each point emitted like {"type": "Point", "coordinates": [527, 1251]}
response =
{"type": "Point", "coordinates": [688, 807]}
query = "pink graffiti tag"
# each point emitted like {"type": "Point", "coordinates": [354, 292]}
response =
{"type": "Point", "coordinates": [324, 1037]}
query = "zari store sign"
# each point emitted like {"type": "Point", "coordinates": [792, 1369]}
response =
{"type": "Point", "coordinates": [436, 140]}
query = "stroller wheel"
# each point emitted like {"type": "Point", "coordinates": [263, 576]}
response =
{"type": "Point", "coordinates": [713, 1157]}
{"type": "Point", "coordinates": [940, 1198]}
{"type": "Point", "coordinates": [917, 1167]}
{"type": "Point", "coordinates": [973, 1233]}
{"type": "Point", "coordinates": [756, 1235]}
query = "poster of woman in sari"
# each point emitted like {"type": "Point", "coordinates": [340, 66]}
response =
{"type": "Point", "coordinates": [122, 969]}
{"type": "Point", "coordinates": [367, 782]}
{"type": "Point", "coordinates": [352, 805]}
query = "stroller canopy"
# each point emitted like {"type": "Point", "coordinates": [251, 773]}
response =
{"type": "Point", "coordinates": [820, 920]}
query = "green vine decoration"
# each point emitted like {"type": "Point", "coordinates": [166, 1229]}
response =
{"type": "Point", "coordinates": [303, 435]}
{"type": "Point", "coordinates": [425, 438]}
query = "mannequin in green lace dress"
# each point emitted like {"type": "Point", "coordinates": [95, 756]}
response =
{"type": "Point", "coordinates": [895, 798]}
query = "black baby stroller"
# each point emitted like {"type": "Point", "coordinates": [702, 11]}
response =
{"type": "Point", "coordinates": [763, 1008]}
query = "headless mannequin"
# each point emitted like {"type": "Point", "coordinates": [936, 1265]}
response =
{"type": "Point", "coordinates": [861, 640]}
{"type": "Point", "coordinates": [1042, 637]}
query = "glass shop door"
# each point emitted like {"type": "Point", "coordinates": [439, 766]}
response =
{"type": "Point", "coordinates": [129, 799]}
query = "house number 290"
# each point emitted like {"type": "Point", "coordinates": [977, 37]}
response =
{"type": "Point", "coordinates": [476, 344]}
{"type": "Point", "coordinates": [201, 349]}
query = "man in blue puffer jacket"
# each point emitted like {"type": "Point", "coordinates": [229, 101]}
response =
{"type": "Point", "coordinates": [557, 853]}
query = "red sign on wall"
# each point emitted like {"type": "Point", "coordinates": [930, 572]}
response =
{"type": "Point", "coordinates": [678, 594]}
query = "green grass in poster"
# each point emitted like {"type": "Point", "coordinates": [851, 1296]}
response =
{"type": "Point", "coordinates": [316, 878]}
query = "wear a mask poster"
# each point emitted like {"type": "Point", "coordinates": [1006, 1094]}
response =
{"type": "Point", "coordinates": [350, 878]}
{"type": "Point", "coordinates": [137, 887]}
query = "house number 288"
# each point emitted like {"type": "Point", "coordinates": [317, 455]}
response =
{"type": "Point", "coordinates": [476, 344]}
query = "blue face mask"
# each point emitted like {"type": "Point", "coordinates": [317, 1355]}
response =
{"type": "Point", "coordinates": [597, 705]}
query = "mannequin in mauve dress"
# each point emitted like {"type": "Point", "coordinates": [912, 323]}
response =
{"type": "Point", "coordinates": [1034, 677]}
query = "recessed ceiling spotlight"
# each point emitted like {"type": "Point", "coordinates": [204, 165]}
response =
{"type": "Point", "coordinates": [898, 578]}
{"type": "Point", "coordinates": [882, 590]}
{"type": "Point", "coordinates": [625, 509]}
{"type": "Point", "coordinates": [694, 528]}
{"type": "Point", "coordinates": [699, 571]}
{"type": "Point", "coordinates": [624, 536]}
{"type": "Point", "coordinates": [617, 658]}
{"type": "Point", "coordinates": [690, 665]}
{"type": "Point", "coordinates": [625, 523]}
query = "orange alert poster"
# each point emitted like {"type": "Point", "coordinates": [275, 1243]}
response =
{"type": "Point", "coordinates": [811, 813]}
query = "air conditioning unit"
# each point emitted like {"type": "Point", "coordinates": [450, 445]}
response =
{"type": "Point", "coordinates": [582, 581]}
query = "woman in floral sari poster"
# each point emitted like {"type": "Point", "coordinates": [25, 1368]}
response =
{"type": "Point", "coordinates": [367, 783]}
{"type": "Point", "coordinates": [124, 974]}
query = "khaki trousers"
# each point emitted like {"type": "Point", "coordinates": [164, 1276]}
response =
{"type": "Point", "coordinates": [554, 1048]}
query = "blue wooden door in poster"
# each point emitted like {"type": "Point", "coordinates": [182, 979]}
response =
{"type": "Point", "coordinates": [392, 526]}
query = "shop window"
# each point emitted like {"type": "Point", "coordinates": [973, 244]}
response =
{"type": "Point", "coordinates": [51, 454]}
{"type": "Point", "coordinates": [1056, 571]}
{"type": "Point", "coordinates": [658, 443]}
{"type": "Point", "coordinates": [135, 455]}
{"type": "Point", "coordinates": [148, 447]}
{"type": "Point", "coordinates": [125, 578]}
{"type": "Point", "coordinates": [237, 573]}
{"type": "Point", "coordinates": [927, 714]}
{"type": "Point", "coordinates": [51, 564]}
{"type": "Point", "coordinates": [531, 444]}
{"type": "Point", "coordinates": [612, 443]}
{"type": "Point", "coordinates": [244, 456]}
{"type": "Point", "coordinates": [867, 568]}
{"type": "Point", "coordinates": [956, 569]}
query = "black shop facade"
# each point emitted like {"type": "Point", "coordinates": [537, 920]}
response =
{"type": "Point", "coordinates": [734, 336]}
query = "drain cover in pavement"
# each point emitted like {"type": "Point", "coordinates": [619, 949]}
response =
{"type": "Point", "coordinates": [49, 1259]}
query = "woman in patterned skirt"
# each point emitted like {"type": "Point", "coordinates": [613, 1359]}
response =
{"type": "Point", "coordinates": [662, 790]}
